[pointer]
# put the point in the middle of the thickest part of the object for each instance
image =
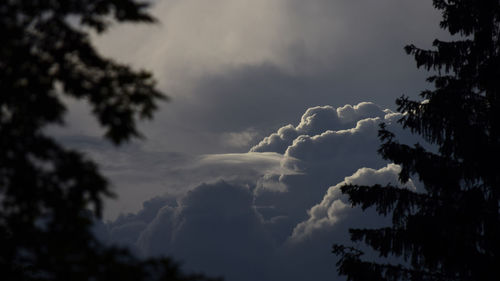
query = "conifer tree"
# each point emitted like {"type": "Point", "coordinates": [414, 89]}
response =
{"type": "Point", "coordinates": [451, 229]}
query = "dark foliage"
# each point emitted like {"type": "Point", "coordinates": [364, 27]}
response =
{"type": "Point", "coordinates": [451, 230]}
{"type": "Point", "coordinates": [47, 191]}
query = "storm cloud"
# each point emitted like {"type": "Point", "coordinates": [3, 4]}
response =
{"type": "Point", "coordinates": [253, 215]}
{"type": "Point", "coordinates": [229, 180]}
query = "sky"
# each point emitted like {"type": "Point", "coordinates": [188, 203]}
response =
{"type": "Point", "coordinates": [274, 104]}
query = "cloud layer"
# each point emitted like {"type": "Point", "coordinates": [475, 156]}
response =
{"type": "Point", "coordinates": [274, 212]}
{"type": "Point", "coordinates": [242, 68]}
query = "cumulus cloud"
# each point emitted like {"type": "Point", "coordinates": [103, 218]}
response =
{"type": "Point", "coordinates": [216, 228]}
{"type": "Point", "coordinates": [213, 228]}
{"type": "Point", "coordinates": [317, 120]}
{"type": "Point", "coordinates": [268, 215]}
{"type": "Point", "coordinates": [303, 160]}
{"type": "Point", "coordinates": [325, 156]}
{"type": "Point", "coordinates": [335, 207]}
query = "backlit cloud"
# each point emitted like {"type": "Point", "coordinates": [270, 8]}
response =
{"type": "Point", "coordinates": [248, 216]}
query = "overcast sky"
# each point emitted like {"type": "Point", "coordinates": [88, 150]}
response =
{"type": "Point", "coordinates": [274, 105]}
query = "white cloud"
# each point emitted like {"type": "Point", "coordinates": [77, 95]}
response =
{"type": "Point", "coordinates": [317, 120]}
{"type": "Point", "coordinates": [260, 161]}
{"type": "Point", "coordinates": [335, 206]}
{"type": "Point", "coordinates": [238, 168]}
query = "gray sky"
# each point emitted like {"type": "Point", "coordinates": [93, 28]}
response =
{"type": "Point", "coordinates": [274, 77]}
{"type": "Point", "coordinates": [237, 66]}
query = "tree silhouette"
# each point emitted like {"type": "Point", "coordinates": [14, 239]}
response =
{"type": "Point", "coordinates": [49, 195]}
{"type": "Point", "coordinates": [450, 230]}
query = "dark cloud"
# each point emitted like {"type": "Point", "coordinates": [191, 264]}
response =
{"type": "Point", "coordinates": [244, 69]}
{"type": "Point", "coordinates": [268, 215]}
{"type": "Point", "coordinates": [138, 173]}
{"type": "Point", "coordinates": [263, 96]}
{"type": "Point", "coordinates": [237, 71]}
{"type": "Point", "coordinates": [215, 229]}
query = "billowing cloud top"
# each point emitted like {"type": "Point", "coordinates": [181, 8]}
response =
{"type": "Point", "coordinates": [334, 207]}
{"type": "Point", "coordinates": [317, 120]}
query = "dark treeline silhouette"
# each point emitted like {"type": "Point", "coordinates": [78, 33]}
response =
{"type": "Point", "coordinates": [451, 229]}
{"type": "Point", "coordinates": [49, 195]}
